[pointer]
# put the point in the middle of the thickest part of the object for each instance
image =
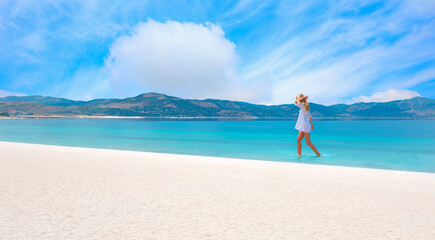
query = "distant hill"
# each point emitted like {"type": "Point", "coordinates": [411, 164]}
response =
{"type": "Point", "coordinates": [52, 101]}
{"type": "Point", "coordinates": [160, 105]}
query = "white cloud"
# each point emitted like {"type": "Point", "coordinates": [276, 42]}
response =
{"type": "Point", "coordinates": [181, 59]}
{"type": "Point", "coordinates": [4, 93]}
{"type": "Point", "coordinates": [387, 96]}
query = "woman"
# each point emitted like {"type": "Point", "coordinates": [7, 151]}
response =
{"type": "Point", "coordinates": [304, 124]}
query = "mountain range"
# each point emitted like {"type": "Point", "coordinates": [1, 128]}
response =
{"type": "Point", "coordinates": [158, 105]}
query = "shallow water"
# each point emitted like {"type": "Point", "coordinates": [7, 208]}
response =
{"type": "Point", "coordinates": [386, 144]}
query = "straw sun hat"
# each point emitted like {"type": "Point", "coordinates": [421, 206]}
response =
{"type": "Point", "coordinates": [301, 98]}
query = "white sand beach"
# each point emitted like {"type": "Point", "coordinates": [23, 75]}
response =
{"type": "Point", "coordinates": [52, 192]}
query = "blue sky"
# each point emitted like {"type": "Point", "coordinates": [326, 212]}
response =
{"type": "Point", "coordinates": [256, 51]}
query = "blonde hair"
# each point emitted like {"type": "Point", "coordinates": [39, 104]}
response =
{"type": "Point", "coordinates": [303, 101]}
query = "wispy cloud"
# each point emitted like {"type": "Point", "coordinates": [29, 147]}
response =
{"type": "Point", "coordinates": [30, 46]}
{"type": "Point", "coordinates": [387, 96]}
{"type": "Point", "coordinates": [245, 9]}
{"type": "Point", "coordinates": [347, 53]}
{"type": "Point", "coordinates": [417, 78]}
{"type": "Point", "coordinates": [4, 93]}
{"type": "Point", "coordinates": [88, 82]}
{"type": "Point", "coordinates": [34, 42]}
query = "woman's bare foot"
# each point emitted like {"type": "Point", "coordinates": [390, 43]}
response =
{"type": "Point", "coordinates": [319, 155]}
{"type": "Point", "coordinates": [299, 155]}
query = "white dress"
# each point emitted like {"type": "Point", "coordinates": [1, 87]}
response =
{"type": "Point", "coordinates": [303, 123]}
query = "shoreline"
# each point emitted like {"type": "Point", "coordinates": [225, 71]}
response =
{"type": "Point", "coordinates": [54, 192]}
{"type": "Point", "coordinates": [213, 158]}
{"type": "Point", "coordinates": [208, 118]}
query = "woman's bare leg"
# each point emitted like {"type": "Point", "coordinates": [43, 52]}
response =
{"type": "Point", "coordinates": [300, 137]}
{"type": "Point", "coordinates": [308, 140]}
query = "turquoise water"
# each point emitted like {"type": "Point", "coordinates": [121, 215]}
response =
{"type": "Point", "coordinates": [386, 144]}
